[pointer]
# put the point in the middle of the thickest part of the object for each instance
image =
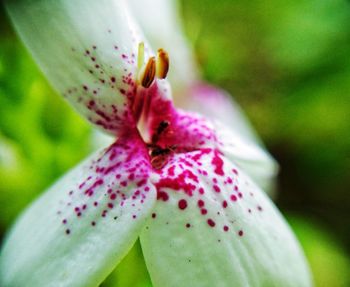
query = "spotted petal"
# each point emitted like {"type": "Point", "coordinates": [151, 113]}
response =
{"type": "Point", "coordinates": [213, 226]}
{"type": "Point", "coordinates": [88, 50]}
{"type": "Point", "coordinates": [250, 157]}
{"type": "Point", "coordinates": [79, 230]}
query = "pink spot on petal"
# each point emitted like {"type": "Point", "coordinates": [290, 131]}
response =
{"type": "Point", "coordinates": [211, 222]}
{"type": "Point", "coordinates": [200, 203]}
{"type": "Point", "coordinates": [161, 195]}
{"type": "Point", "coordinates": [216, 188]}
{"type": "Point", "coordinates": [218, 164]}
{"type": "Point", "coordinates": [182, 204]}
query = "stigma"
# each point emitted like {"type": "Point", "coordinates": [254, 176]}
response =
{"type": "Point", "coordinates": [154, 67]}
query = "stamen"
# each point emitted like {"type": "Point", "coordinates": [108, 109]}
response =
{"type": "Point", "coordinates": [162, 64]}
{"type": "Point", "coordinates": [155, 67]}
{"type": "Point", "coordinates": [147, 74]}
{"type": "Point", "coordinates": [140, 55]}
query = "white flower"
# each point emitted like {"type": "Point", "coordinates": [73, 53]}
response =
{"type": "Point", "coordinates": [176, 179]}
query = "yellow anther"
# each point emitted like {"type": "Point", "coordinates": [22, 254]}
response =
{"type": "Point", "coordinates": [155, 67]}
{"type": "Point", "coordinates": [162, 64]}
{"type": "Point", "coordinates": [147, 73]}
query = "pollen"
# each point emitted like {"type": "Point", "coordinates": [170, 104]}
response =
{"type": "Point", "coordinates": [147, 73]}
{"type": "Point", "coordinates": [162, 64]}
{"type": "Point", "coordinates": [154, 67]}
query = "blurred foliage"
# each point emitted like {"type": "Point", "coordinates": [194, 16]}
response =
{"type": "Point", "coordinates": [286, 62]}
{"type": "Point", "coordinates": [132, 271]}
{"type": "Point", "coordinates": [328, 260]}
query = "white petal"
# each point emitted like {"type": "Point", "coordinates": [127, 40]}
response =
{"type": "Point", "coordinates": [217, 104]}
{"type": "Point", "coordinates": [212, 226]}
{"type": "Point", "coordinates": [88, 50]}
{"type": "Point", "coordinates": [79, 230]}
{"type": "Point", "coordinates": [253, 159]}
{"type": "Point", "coordinates": [161, 23]}
{"type": "Point", "coordinates": [240, 142]}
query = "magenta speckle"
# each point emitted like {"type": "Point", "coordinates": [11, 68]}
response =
{"type": "Point", "coordinates": [161, 195]}
{"type": "Point", "coordinates": [182, 204]}
{"type": "Point", "coordinates": [216, 188]}
{"type": "Point", "coordinates": [218, 163]}
{"type": "Point", "coordinates": [211, 222]}
{"type": "Point", "coordinates": [200, 203]}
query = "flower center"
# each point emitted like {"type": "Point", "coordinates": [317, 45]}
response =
{"type": "Point", "coordinates": [147, 93]}
{"type": "Point", "coordinates": [164, 129]}
{"type": "Point", "coordinates": [153, 112]}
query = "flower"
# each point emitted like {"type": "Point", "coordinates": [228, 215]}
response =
{"type": "Point", "coordinates": [177, 180]}
{"type": "Point", "coordinates": [190, 93]}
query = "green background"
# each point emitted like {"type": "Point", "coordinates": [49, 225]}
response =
{"type": "Point", "coordinates": [286, 62]}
